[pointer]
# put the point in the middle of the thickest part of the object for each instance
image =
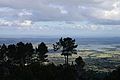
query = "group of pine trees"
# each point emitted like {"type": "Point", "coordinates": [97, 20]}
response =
{"type": "Point", "coordinates": [22, 53]}
{"type": "Point", "coordinates": [22, 61]}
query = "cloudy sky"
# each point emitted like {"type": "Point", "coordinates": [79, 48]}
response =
{"type": "Point", "coordinates": [84, 18]}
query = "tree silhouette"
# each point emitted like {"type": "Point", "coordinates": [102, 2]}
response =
{"type": "Point", "coordinates": [79, 68]}
{"type": "Point", "coordinates": [41, 51]}
{"type": "Point", "coordinates": [12, 52]}
{"type": "Point", "coordinates": [28, 52]}
{"type": "Point", "coordinates": [67, 47]}
{"type": "Point", "coordinates": [20, 52]}
{"type": "Point", "coordinates": [0, 53]}
{"type": "Point", "coordinates": [29, 48]}
{"type": "Point", "coordinates": [3, 52]}
{"type": "Point", "coordinates": [80, 62]}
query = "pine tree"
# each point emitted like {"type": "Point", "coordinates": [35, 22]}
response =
{"type": "Point", "coordinates": [42, 50]}
{"type": "Point", "coordinates": [67, 47]}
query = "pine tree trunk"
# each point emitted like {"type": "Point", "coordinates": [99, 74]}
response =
{"type": "Point", "coordinates": [67, 59]}
{"type": "Point", "coordinates": [22, 62]}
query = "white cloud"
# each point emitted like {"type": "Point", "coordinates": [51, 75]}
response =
{"type": "Point", "coordinates": [61, 8]}
{"type": "Point", "coordinates": [24, 13]}
{"type": "Point", "coordinates": [54, 9]}
{"type": "Point", "coordinates": [114, 13]}
{"type": "Point", "coordinates": [93, 11]}
{"type": "Point", "coordinates": [59, 28]}
{"type": "Point", "coordinates": [15, 23]}
{"type": "Point", "coordinates": [5, 23]}
{"type": "Point", "coordinates": [26, 23]}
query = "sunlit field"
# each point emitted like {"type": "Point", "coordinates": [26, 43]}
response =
{"type": "Point", "coordinates": [99, 61]}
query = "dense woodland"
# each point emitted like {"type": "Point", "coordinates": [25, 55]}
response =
{"type": "Point", "coordinates": [23, 62]}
